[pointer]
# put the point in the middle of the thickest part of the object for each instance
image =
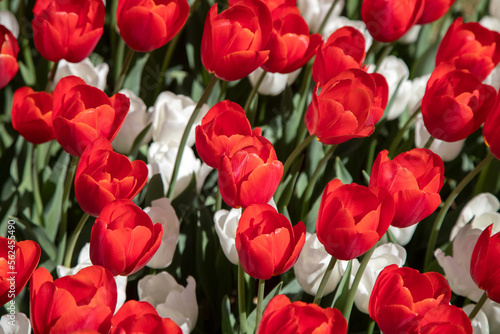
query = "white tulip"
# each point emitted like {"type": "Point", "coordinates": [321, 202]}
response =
{"type": "Point", "coordinates": [226, 223]}
{"type": "Point", "coordinates": [493, 79]}
{"type": "Point", "coordinates": [411, 35]}
{"type": "Point", "coordinates": [314, 11]}
{"type": "Point", "coordinates": [92, 75]}
{"type": "Point", "coordinates": [170, 299]}
{"type": "Point", "coordinates": [342, 21]}
{"type": "Point", "coordinates": [480, 321]}
{"type": "Point", "coordinates": [273, 83]}
{"type": "Point", "coordinates": [402, 235]}
{"type": "Point", "coordinates": [9, 21]}
{"type": "Point", "coordinates": [492, 311]}
{"type": "Point", "coordinates": [17, 323]}
{"type": "Point", "coordinates": [161, 211]}
{"type": "Point", "coordinates": [494, 8]}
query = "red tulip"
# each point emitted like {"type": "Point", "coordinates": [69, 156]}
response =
{"type": "Point", "coordinates": [250, 173]}
{"type": "Point", "coordinates": [146, 25]}
{"type": "Point", "coordinates": [401, 297]}
{"type": "Point", "coordinates": [223, 120]}
{"type": "Point", "coordinates": [266, 242]}
{"type": "Point", "coordinates": [32, 115]}
{"type": "Point", "coordinates": [344, 49]}
{"type": "Point", "coordinates": [103, 176]}
{"type": "Point", "coordinates": [352, 218]}
{"type": "Point", "coordinates": [414, 179]}
{"type": "Point", "coordinates": [83, 113]}
{"type": "Point", "coordinates": [123, 238]}
{"type": "Point", "coordinates": [348, 106]}
{"type": "Point", "coordinates": [8, 56]}
{"type": "Point", "coordinates": [283, 316]}
{"type": "Point", "coordinates": [85, 300]}
{"type": "Point", "coordinates": [484, 268]}
{"type": "Point", "coordinates": [470, 46]}
{"type": "Point", "coordinates": [67, 29]}
{"type": "Point", "coordinates": [490, 130]}
{"type": "Point", "coordinates": [18, 260]}
{"type": "Point", "coordinates": [444, 319]}
{"type": "Point", "coordinates": [455, 103]}
{"type": "Point", "coordinates": [388, 20]}
{"type": "Point", "coordinates": [434, 10]}
{"type": "Point", "coordinates": [233, 41]}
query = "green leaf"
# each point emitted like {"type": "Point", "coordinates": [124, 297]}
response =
{"type": "Point", "coordinates": [138, 140]}
{"type": "Point", "coordinates": [28, 76]}
{"type": "Point", "coordinates": [228, 319]}
{"type": "Point", "coordinates": [342, 172]}
{"type": "Point", "coordinates": [342, 289]}
{"type": "Point", "coordinates": [36, 233]}
{"type": "Point", "coordinates": [155, 189]}
{"type": "Point", "coordinates": [133, 79]}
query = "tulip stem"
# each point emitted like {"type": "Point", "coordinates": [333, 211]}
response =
{"type": "Point", "coordinates": [125, 67]}
{"type": "Point", "coordinates": [185, 135]}
{"type": "Point", "coordinates": [72, 240]}
{"type": "Point", "coordinates": [52, 74]}
{"type": "Point", "coordinates": [429, 142]}
{"type": "Point", "coordinates": [260, 299]}
{"type": "Point", "coordinates": [395, 143]}
{"type": "Point", "coordinates": [296, 153]}
{"type": "Point", "coordinates": [325, 20]}
{"type": "Point", "coordinates": [447, 204]}
{"type": "Point", "coordinates": [304, 93]}
{"type": "Point", "coordinates": [251, 113]}
{"type": "Point", "coordinates": [324, 281]}
{"type": "Point", "coordinates": [36, 183]}
{"type": "Point", "coordinates": [478, 306]}
{"type": "Point", "coordinates": [371, 327]}
{"type": "Point", "coordinates": [241, 300]}
{"type": "Point", "coordinates": [359, 274]}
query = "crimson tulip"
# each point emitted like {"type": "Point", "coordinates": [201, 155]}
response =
{"type": "Point", "coordinates": [490, 130]}
{"type": "Point", "coordinates": [32, 115]}
{"type": "Point", "coordinates": [388, 20]}
{"type": "Point", "coordinates": [85, 300]}
{"type": "Point", "coordinates": [123, 238]}
{"type": "Point", "coordinates": [233, 41]}
{"type": "Point", "coordinates": [146, 25]}
{"type": "Point", "coordinates": [442, 319]}
{"type": "Point", "coordinates": [67, 29]}
{"type": "Point", "coordinates": [434, 10]}
{"type": "Point", "coordinates": [18, 260]}
{"type": "Point", "coordinates": [8, 56]}
{"type": "Point", "coordinates": [283, 316]}
{"type": "Point", "coordinates": [223, 120]}
{"type": "Point", "coordinates": [347, 107]}
{"type": "Point", "coordinates": [103, 176]}
{"type": "Point", "coordinates": [266, 242]}
{"type": "Point", "coordinates": [414, 179]}
{"type": "Point", "coordinates": [83, 113]}
{"type": "Point", "coordinates": [470, 46]}
{"type": "Point", "coordinates": [402, 296]}
{"type": "Point", "coordinates": [250, 172]}
{"type": "Point", "coordinates": [344, 49]}
{"type": "Point", "coordinates": [455, 103]}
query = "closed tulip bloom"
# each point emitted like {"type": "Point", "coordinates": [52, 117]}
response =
{"type": "Point", "coordinates": [266, 242]}
{"type": "Point", "coordinates": [414, 179]}
{"type": "Point", "coordinates": [402, 296]}
{"type": "Point", "coordinates": [352, 218]}
{"type": "Point", "coordinates": [348, 106]}
{"type": "Point", "coordinates": [8, 56]}
{"type": "Point", "coordinates": [103, 176]}
{"type": "Point", "coordinates": [344, 49]}
{"type": "Point", "coordinates": [233, 42]}
{"type": "Point", "coordinates": [490, 130]}
{"type": "Point", "coordinates": [434, 10]}
{"type": "Point", "coordinates": [388, 20]}
{"type": "Point", "coordinates": [124, 238]}
{"type": "Point", "coordinates": [455, 103]}
{"type": "Point", "coordinates": [67, 29]}
{"type": "Point", "coordinates": [32, 115]}
{"type": "Point", "coordinates": [283, 316]}
{"type": "Point", "coordinates": [18, 260]}
{"type": "Point", "coordinates": [470, 46]}
{"type": "Point", "coordinates": [85, 300]}
{"type": "Point", "coordinates": [222, 121]}
{"type": "Point", "coordinates": [83, 113]}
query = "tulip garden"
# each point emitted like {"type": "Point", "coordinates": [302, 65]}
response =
{"type": "Point", "coordinates": [249, 166]}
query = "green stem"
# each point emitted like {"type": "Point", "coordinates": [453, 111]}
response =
{"type": "Point", "coordinates": [478, 306]}
{"type": "Point", "coordinates": [371, 327]}
{"type": "Point", "coordinates": [325, 20]}
{"type": "Point", "coordinates": [296, 153]}
{"type": "Point", "coordinates": [251, 113]}
{"type": "Point", "coordinates": [324, 281]}
{"type": "Point", "coordinates": [395, 143]}
{"type": "Point", "coordinates": [429, 142]}
{"type": "Point", "coordinates": [304, 94]}
{"type": "Point", "coordinates": [73, 239]}
{"type": "Point", "coordinates": [120, 51]}
{"type": "Point", "coordinates": [36, 184]}
{"type": "Point", "coordinates": [241, 300]}
{"type": "Point", "coordinates": [125, 67]}
{"type": "Point", "coordinates": [24, 42]}
{"type": "Point", "coordinates": [185, 135]}
{"type": "Point", "coordinates": [260, 298]}
{"type": "Point", "coordinates": [352, 292]}
{"type": "Point", "coordinates": [385, 52]}
{"type": "Point", "coordinates": [218, 200]}
{"type": "Point", "coordinates": [372, 48]}
{"type": "Point", "coordinates": [52, 74]}
{"type": "Point", "coordinates": [447, 204]}
{"type": "Point", "coordinates": [166, 62]}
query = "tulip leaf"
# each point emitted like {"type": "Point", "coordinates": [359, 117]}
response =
{"type": "Point", "coordinates": [133, 80]}
{"type": "Point", "coordinates": [342, 289]}
{"type": "Point", "coordinates": [154, 190]}
{"type": "Point", "coordinates": [36, 233]}
{"type": "Point", "coordinates": [228, 319]}
{"type": "Point", "coordinates": [28, 76]}
{"type": "Point", "coordinates": [251, 317]}
{"type": "Point", "coordinates": [288, 185]}
{"type": "Point", "coordinates": [341, 171]}
{"type": "Point", "coordinates": [138, 140]}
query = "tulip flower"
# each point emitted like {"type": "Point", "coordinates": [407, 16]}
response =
{"type": "Point", "coordinates": [414, 179]}
{"type": "Point", "coordinates": [8, 56]}
{"type": "Point", "coordinates": [314, 12]}
{"type": "Point", "coordinates": [103, 176]}
{"type": "Point", "coordinates": [480, 323]}
{"type": "Point", "coordinates": [141, 317]}
{"type": "Point", "coordinates": [273, 84]}
{"type": "Point", "coordinates": [490, 130]}
{"type": "Point", "coordinates": [32, 115]}
{"type": "Point", "coordinates": [124, 238]}
{"type": "Point", "coordinates": [266, 242]}
{"type": "Point", "coordinates": [22, 324]}
{"type": "Point", "coordinates": [250, 173]}
{"type": "Point", "coordinates": [85, 300]}
{"type": "Point", "coordinates": [92, 75]}
{"type": "Point", "coordinates": [470, 46]}
{"type": "Point", "coordinates": [18, 260]}
{"type": "Point", "coordinates": [9, 21]}
{"type": "Point", "coordinates": [68, 30]}
{"type": "Point", "coordinates": [434, 10]}
{"type": "Point", "coordinates": [233, 42]}
{"type": "Point", "coordinates": [348, 106]}
{"type": "Point", "coordinates": [388, 20]}
{"type": "Point", "coordinates": [222, 121]}
{"type": "Point", "coordinates": [444, 319]}
{"type": "Point", "coordinates": [146, 25]}
{"type": "Point", "coordinates": [226, 223]}
{"type": "Point", "coordinates": [455, 103]}
{"type": "Point", "coordinates": [402, 296]}
{"type": "Point", "coordinates": [83, 113]}
{"type": "Point", "coordinates": [283, 316]}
